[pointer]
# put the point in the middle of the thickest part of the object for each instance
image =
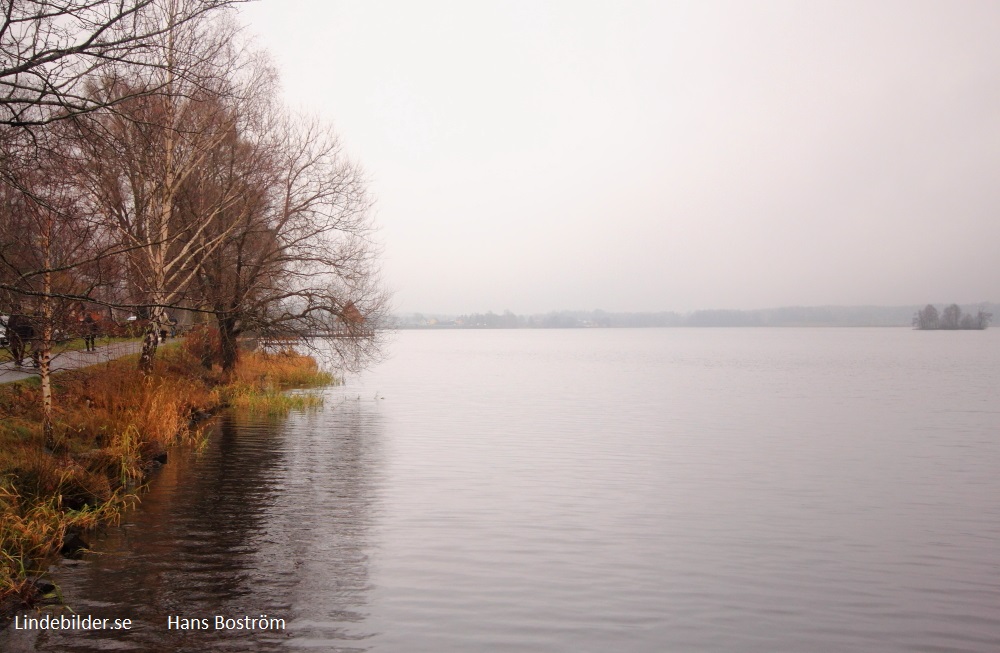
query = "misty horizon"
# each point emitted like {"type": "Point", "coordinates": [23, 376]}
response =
{"type": "Point", "coordinates": [650, 156]}
{"type": "Point", "coordinates": [964, 306]}
{"type": "Point", "coordinates": [977, 316]}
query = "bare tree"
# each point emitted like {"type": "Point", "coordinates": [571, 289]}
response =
{"type": "Point", "coordinates": [300, 261]}
{"type": "Point", "coordinates": [951, 317]}
{"type": "Point", "coordinates": [983, 319]}
{"type": "Point", "coordinates": [926, 318]}
{"type": "Point", "coordinates": [52, 254]}
{"type": "Point", "coordinates": [49, 49]}
{"type": "Point", "coordinates": [138, 157]}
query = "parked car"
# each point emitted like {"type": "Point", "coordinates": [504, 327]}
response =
{"type": "Point", "coordinates": [3, 330]}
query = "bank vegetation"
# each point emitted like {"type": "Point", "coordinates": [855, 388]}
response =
{"type": "Point", "coordinates": [113, 426]}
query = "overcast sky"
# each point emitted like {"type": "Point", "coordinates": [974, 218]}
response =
{"type": "Point", "coordinates": [663, 155]}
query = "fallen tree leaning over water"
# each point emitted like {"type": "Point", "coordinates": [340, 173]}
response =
{"type": "Point", "coordinates": [111, 428]}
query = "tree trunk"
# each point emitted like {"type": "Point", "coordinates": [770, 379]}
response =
{"type": "Point", "coordinates": [151, 339]}
{"type": "Point", "coordinates": [229, 351]}
{"type": "Point", "coordinates": [43, 356]}
{"type": "Point", "coordinates": [45, 376]}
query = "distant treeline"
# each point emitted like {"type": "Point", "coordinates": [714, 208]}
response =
{"type": "Point", "coordinates": [951, 318]}
{"type": "Point", "coordinates": [790, 316]}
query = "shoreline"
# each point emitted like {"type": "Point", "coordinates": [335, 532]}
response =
{"type": "Point", "coordinates": [113, 429]}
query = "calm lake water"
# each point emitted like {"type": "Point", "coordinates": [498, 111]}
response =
{"type": "Point", "coordinates": [586, 490]}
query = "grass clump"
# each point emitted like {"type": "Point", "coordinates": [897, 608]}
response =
{"type": "Point", "coordinates": [259, 383]}
{"type": "Point", "coordinates": [34, 525]}
{"type": "Point", "coordinates": [111, 423]}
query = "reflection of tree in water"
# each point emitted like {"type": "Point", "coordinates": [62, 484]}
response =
{"type": "Point", "coordinates": [273, 518]}
{"type": "Point", "coordinates": [323, 521]}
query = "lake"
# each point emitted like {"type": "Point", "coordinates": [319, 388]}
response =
{"type": "Point", "coordinates": [584, 490]}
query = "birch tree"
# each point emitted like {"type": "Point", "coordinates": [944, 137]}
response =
{"type": "Point", "coordinates": [53, 253]}
{"type": "Point", "coordinates": [137, 157]}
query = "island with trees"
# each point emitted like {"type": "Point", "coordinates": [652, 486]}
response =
{"type": "Point", "coordinates": [950, 319]}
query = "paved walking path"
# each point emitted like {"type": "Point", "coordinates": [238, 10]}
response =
{"type": "Point", "coordinates": [70, 360]}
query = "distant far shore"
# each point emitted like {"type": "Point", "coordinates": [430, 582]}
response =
{"type": "Point", "coordinates": [789, 316]}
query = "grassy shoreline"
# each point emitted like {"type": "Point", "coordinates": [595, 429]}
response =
{"type": "Point", "coordinates": [113, 426]}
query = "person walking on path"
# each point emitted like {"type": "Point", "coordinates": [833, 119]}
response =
{"type": "Point", "coordinates": [71, 360]}
{"type": "Point", "coordinates": [90, 332]}
{"type": "Point", "coordinates": [19, 333]}
{"type": "Point", "coordinates": [36, 339]}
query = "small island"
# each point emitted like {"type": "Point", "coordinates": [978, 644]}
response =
{"type": "Point", "coordinates": [950, 319]}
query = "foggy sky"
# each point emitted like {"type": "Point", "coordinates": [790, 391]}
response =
{"type": "Point", "coordinates": [637, 156]}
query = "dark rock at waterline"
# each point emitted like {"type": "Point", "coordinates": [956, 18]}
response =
{"type": "Point", "coordinates": [199, 416]}
{"type": "Point", "coordinates": [154, 457]}
{"type": "Point", "coordinates": [42, 587]}
{"type": "Point", "coordinates": [11, 604]}
{"type": "Point", "coordinates": [73, 546]}
{"type": "Point", "coordinates": [74, 502]}
{"type": "Point", "coordinates": [8, 606]}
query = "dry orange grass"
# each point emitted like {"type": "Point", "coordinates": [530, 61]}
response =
{"type": "Point", "coordinates": [281, 370]}
{"type": "Point", "coordinates": [258, 383]}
